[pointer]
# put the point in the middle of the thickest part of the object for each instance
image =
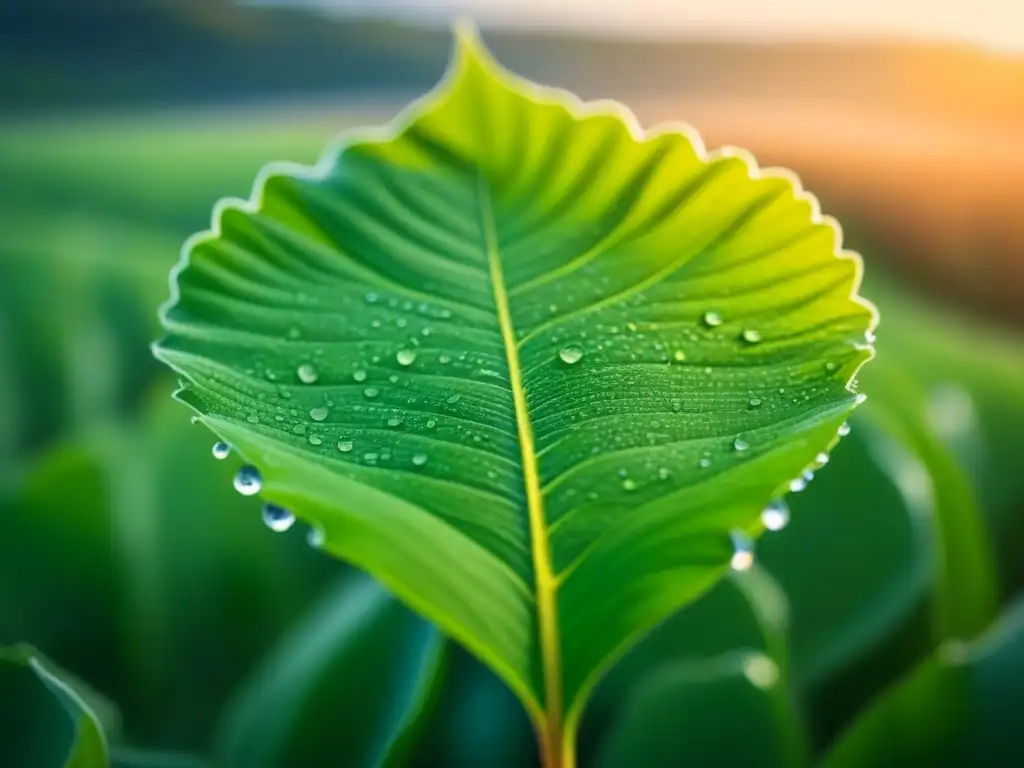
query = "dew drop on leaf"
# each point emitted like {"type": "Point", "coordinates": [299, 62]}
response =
{"type": "Point", "coordinates": [844, 429]}
{"type": "Point", "coordinates": [315, 440]}
{"type": "Point", "coordinates": [307, 374]}
{"type": "Point", "coordinates": [704, 463]}
{"type": "Point", "coordinates": [751, 336]}
{"type": "Point", "coordinates": [679, 356]}
{"type": "Point", "coordinates": [294, 333]}
{"type": "Point", "coordinates": [221, 450]}
{"type": "Point", "coordinates": [252, 418]}
{"type": "Point", "coordinates": [740, 444]}
{"type": "Point", "coordinates": [345, 446]}
{"type": "Point", "coordinates": [277, 519]}
{"type": "Point", "coordinates": [359, 375]}
{"type": "Point", "coordinates": [712, 319]}
{"type": "Point", "coordinates": [395, 421]}
{"type": "Point", "coordinates": [371, 298]}
{"type": "Point", "coordinates": [755, 402]}
{"type": "Point", "coordinates": [453, 399]}
{"type": "Point", "coordinates": [775, 516]}
{"type": "Point", "coordinates": [318, 414]}
{"type": "Point", "coordinates": [821, 459]}
{"type": "Point", "coordinates": [742, 551]}
{"type": "Point", "coordinates": [629, 484]}
{"type": "Point", "coordinates": [406, 356]}
{"type": "Point", "coordinates": [315, 537]}
{"type": "Point", "coordinates": [248, 480]}
{"type": "Point", "coordinates": [371, 392]}
{"type": "Point", "coordinates": [797, 484]}
{"type": "Point", "coordinates": [419, 459]}
{"type": "Point", "coordinates": [571, 354]}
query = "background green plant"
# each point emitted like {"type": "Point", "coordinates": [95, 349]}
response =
{"type": "Point", "coordinates": [126, 557]}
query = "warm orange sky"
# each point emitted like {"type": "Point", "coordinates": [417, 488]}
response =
{"type": "Point", "coordinates": [996, 24]}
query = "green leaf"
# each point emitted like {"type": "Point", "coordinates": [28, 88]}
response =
{"type": "Point", "coordinates": [525, 364]}
{"type": "Point", "coordinates": [92, 717]}
{"type": "Point", "coordinates": [966, 595]}
{"type": "Point", "coordinates": [960, 707]}
{"type": "Point", "coordinates": [669, 693]}
{"type": "Point", "coordinates": [350, 685]}
{"type": "Point", "coordinates": [711, 712]}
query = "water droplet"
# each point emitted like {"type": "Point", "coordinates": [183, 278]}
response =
{"type": "Point", "coordinates": [761, 671]}
{"type": "Point", "coordinates": [679, 356]}
{"type": "Point", "coordinates": [830, 367]}
{"type": "Point", "coordinates": [453, 399]}
{"type": "Point", "coordinates": [571, 354]}
{"type": "Point", "coordinates": [743, 551]}
{"type": "Point", "coordinates": [371, 392]}
{"type": "Point", "coordinates": [751, 336]}
{"type": "Point", "coordinates": [315, 537]}
{"type": "Point", "coordinates": [631, 326]}
{"type": "Point", "coordinates": [444, 359]}
{"type": "Point", "coordinates": [821, 459]}
{"type": "Point", "coordinates": [345, 446]}
{"type": "Point", "coordinates": [704, 463]}
{"type": "Point", "coordinates": [359, 376]}
{"type": "Point", "coordinates": [277, 519]}
{"type": "Point", "coordinates": [431, 423]}
{"type": "Point", "coordinates": [755, 402]}
{"type": "Point", "coordinates": [221, 450]}
{"type": "Point", "coordinates": [844, 429]}
{"type": "Point", "coordinates": [248, 480]}
{"type": "Point", "coordinates": [370, 456]}
{"type": "Point", "coordinates": [307, 374]}
{"type": "Point", "coordinates": [419, 459]}
{"type": "Point", "coordinates": [401, 322]}
{"type": "Point", "coordinates": [315, 440]}
{"type": "Point", "coordinates": [664, 473]}
{"type": "Point", "coordinates": [712, 319]}
{"type": "Point", "coordinates": [252, 418]}
{"type": "Point", "coordinates": [629, 484]}
{"type": "Point", "coordinates": [776, 515]}
{"type": "Point", "coordinates": [371, 298]}
{"type": "Point", "coordinates": [395, 421]}
{"type": "Point", "coordinates": [318, 414]}
{"type": "Point", "coordinates": [406, 356]}
{"type": "Point", "coordinates": [740, 444]}
{"type": "Point", "coordinates": [797, 484]}
{"type": "Point", "coordinates": [807, 475]}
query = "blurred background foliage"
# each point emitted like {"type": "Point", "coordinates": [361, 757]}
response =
{"type": "Point", "coordinates": [881, 627]}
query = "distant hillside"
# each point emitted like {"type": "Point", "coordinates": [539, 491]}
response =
{"type": "Point", "coordinates": [62, 54]}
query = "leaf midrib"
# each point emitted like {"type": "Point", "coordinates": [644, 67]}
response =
{"type": "Point", "coordinates": [547, 616]}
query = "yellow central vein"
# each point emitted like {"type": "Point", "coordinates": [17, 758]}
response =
{"type": "Point", "coordinates": [547, 616]}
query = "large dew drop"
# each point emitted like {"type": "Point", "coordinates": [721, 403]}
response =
{"type": "Point", "coordinates": [221, 450]}
{"type": "Point", "coordinates": [419, 459]}
{"type": "Point", "coordinates": [406, 357]}
{"type": "Point", "coordinates": [712, 319]}
{"type": "Point", "coordinates": [277, 519]}
{"type": "Point", "coordinates": [248, 480]}
{"type": "Point", "coordinates": [743, 551]}
{"type": "Point", "coordinates": [751, 336]}
{"type": "Point", "coordinates": [740, 445]}
{"type": "Point", "coordinates": [776, 515]}
{"type": "Point", "coordinates": [844, 429]}
{"type": "Point", "coordinates": [318, 414]}
{"type": "Point", "coordinates": [571, 354]}
{"type": "Point", "coordinates": [307, 374]}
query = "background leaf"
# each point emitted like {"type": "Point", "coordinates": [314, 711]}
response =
{"type": "Point", "coordinates": [355, 679]}
{"type": "Point", "coordinates": [958, 708]}
{"type": "Point", "coordinates": [91, 715]}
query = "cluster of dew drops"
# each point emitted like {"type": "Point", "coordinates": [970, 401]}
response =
{"type": "Point", "coordinates": [774, 517]}
{"type": "Point", "coordinates": [248, 481]}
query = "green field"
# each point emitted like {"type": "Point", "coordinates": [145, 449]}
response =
{"type": "Point", "coordinates": [125, 556]}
